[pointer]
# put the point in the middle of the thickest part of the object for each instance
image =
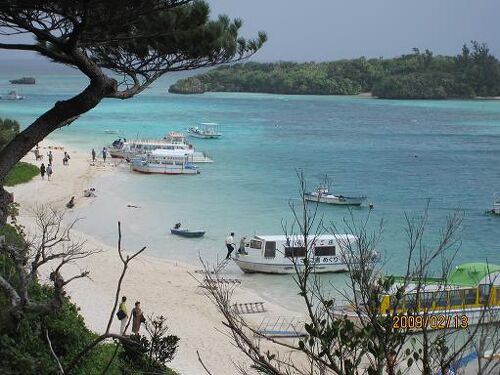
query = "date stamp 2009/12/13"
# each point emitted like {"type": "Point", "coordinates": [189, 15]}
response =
{"type": "Point", "coordinates": [437, 321]}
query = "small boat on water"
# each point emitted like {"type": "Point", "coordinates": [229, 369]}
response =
{"type": "Point", "coordinates": [123, 149]}
{"type": "Point", "coordinates": [23, 81]}
{"type": "Point", "coordinates": [187, 233]}
{"type": "Point", "coordinates": [496, 204]}
{"type": "Point", "coordinates": [277, 254]}
{"type": "Point", "coordinates": [12, 95]}
{"type": "Point", "coordinates": [205, 130]}
{"type": "Point", "coordinates": [322, 195]}
{"type": "Point", "coordinates": [165, 162]}
{"type": "Point", "coordinates": [110, 131]}
{"type": "Point", "coordinates": [469, 295]}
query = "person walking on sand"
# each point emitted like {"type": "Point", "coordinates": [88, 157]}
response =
{"type": "Point", "coordinates": [122, 315]}
{"type": "Point", "coordinates": [49, 171]}
{"type": "Point", "coordinates": [137, 318]}
{"type": "Point", "coordinates": [42, 171]}
{"type": "Point", "coordinates": [93, 155]}
{"type": "Point", "coordinates": [230, 245]}
{"type": "Point", "coordinates": [104, 154]}
{"type": "Point", "coordinates": [66, 158]}
{"type": "Point", "coordinates": [50, 157]}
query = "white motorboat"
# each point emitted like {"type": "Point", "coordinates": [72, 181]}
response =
{"type": "Point", "coordinates": [496, 204]}
{"type": "Point", "coordinates": [123, 149]}
{"type": "Point", "coordinates": [277, 254]}
{"type": "Point", "coordinates": [322, 195]}
{"type": "Point", "coordinates": [165, 162]}
{"type": "Point", "coordinates": [205, 130]}
{"type": "Point", "coordinates": [12, 95]}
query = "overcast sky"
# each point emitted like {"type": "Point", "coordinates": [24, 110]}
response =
{"type": "Point", "coordinates": [332, 29]}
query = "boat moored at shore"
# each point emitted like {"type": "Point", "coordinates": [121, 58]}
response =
{"type": "Point", "coordinates": [469, 295]}
{"type": "Point", "coordinates": [123, 149]}
{"type": "Point", "coordinates": [322, 195]}
{"type": "Point", "coordinates": [281, 254]}
{"type": "Point", "coordinates": [165, 162]}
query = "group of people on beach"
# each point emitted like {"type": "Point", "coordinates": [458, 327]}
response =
{"type": "Point", "coordinates": [104, 154]}
{"type": "Point", "coordinates": [123, 316]}
{"type": "Point", "coordinates": [49, 169]}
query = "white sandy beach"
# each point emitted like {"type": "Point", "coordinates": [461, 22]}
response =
{"type": "Point", "coordinates": [163, 287]}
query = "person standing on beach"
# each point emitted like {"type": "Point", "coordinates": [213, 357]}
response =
{"type": "Point", "coordinates": [49, 171]}
{"type": "Point", "coordinates": [50, 157]}
{"type": "Point", "coordinates": [104, 154]}
{"type": "Point", "coordinates": [241, 249]}
{"type": "Point", "coordinates": [66, 158]}
{"type": "Point", "coordinates": [42, 171]}
{"type": "Point", "coordinates": [137, 318]}
{"type": "Point", "coordinates": [123, 315]}
{"type": "Point", "coordinates": [230, 245]}
{"type": "Point", "coordinates": [93, 155]}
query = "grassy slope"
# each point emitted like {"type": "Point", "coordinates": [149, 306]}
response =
{"type": "Point", "coordinates": [21, 173]}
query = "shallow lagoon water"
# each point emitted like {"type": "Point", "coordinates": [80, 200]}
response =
{"type": "Point", "coordinates": [401, 154]}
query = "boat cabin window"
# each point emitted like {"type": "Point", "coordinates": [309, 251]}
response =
{"type": "Point", "coordinates": [255, 244]}
{"type": "Point", "coordinates": [456, 297]}
{"type": "Point", "coordinates": [270, 249]}
{"type": "Point", "coordinates": [293, 252]}
{"type": "Point", "coordinates": [470, 296]}
{"type": "Point", "coordinates": [426, 300]}
{"type": "Point", "coordinates": [441, 299]}
{"type": "Point", "coordinates": [484, 293]}
{"type": "Point", "coordinates": [410, 301]}
{"type": "Point", "coordinates": [324, 250]}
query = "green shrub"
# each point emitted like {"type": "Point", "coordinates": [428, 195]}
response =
{"type": "Point", "coordinates": [21, 173]}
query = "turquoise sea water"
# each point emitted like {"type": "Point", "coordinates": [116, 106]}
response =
{"type": "Point", "coordinates": [399, 153]}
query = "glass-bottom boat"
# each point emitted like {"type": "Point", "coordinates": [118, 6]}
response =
{"type": "Point", "coordinates": [469, 295]}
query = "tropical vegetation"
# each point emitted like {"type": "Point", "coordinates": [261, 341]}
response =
{"type": "Point", "coordinates": [418, 75]}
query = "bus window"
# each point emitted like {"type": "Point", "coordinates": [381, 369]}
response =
{"type": "Point", "coordinates": [270, 249]}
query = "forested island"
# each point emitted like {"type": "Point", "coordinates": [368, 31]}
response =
{"type": "Point", "coordinates": [475, 72]}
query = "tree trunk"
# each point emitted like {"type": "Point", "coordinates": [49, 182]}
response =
{"type": "Point", "coordinates": [61, 114]}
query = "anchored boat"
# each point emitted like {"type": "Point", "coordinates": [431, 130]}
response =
{"type": "Point", "coordinates": [165, 162]}
{"type": "Point", "coordinates": [469, 295]}
{"type": "Point", "coordinates": [322, 195]}
{"type": "Point", "coordinates": [123, 149]}
{"type": "Point", "coordinates": [277, 254]}
{"type": "Point", "coordinates": [187, 233]}
{"type": "Point", "coordinates": [12, 95]}
{"type": "Point", "coordinates": [205, 130]}
{"type": "Point", "coordinates": [496, 204]}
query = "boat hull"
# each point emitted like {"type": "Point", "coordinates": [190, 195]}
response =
{"type": "Point", "coordinates": [205, 136]}
{"type": "Point", "coordinates": [286, 267]}
{"type": "Point", "coordinates": [441, 319]}
{"type": "Point", "coordinates": [187, 233]}
{"type": "Point", "coordinates": [336, 200]}
{"type": "Point", "coordinates": [164, 169]}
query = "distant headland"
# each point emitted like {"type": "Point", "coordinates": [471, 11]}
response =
{"type": "Point", "coordinates": [419, 75]}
